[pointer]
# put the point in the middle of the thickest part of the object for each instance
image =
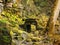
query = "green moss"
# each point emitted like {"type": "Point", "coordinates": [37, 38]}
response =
{"type": "Point", "coordinates": [6, 39]}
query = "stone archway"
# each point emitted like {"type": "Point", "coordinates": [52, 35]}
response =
{"type": "Point", "coordinates": [30, 24]}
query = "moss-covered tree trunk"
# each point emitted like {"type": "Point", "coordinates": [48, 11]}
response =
{"type": "Point", "coordinates": [53, 17]}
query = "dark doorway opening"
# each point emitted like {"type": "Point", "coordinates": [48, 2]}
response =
{"type": "Point", "coordinates": [28, 28]}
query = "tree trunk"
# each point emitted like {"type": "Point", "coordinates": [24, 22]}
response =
{"type": "Point", "coordinates": [53, 18]}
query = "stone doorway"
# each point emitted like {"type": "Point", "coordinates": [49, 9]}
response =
{"type": "Point", "coordinates": [30, 25]}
